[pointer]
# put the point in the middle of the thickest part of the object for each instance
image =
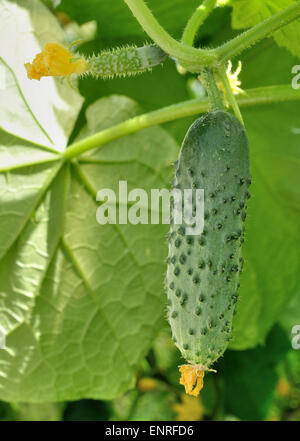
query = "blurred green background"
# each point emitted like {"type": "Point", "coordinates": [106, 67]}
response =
{"type": "Point", "coordinates": [258, 384]}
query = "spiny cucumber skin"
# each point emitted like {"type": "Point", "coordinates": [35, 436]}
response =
{"type": "Point", "coordinates": [126, 61]}
{"type": "Point", "coordinates": [203, 270]}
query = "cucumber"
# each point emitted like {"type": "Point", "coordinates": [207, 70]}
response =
{"type": "Point", "coordinates": [125, 61]}
{"type": "Point", "coordinates": [56, 60]}
{"type": "Point", "coordinates": [203, 270]}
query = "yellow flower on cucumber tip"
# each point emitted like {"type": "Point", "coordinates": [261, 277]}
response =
{"type": "Point", "coordinates": [192, 377]}
{"type": "Point", "coordinates": [55, 60]}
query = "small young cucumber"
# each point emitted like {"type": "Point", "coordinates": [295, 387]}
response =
{"type": "Point", "coordinates": [125, 61]}
{"type": "Point", "coordinates": [203, 270]}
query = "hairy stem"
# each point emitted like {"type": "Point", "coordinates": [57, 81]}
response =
{"type": "Point", "coordinates": [253, 35]}
{"type": "Point", "coordinates": [194, 59]}
{"type": "Point", "coordinates": [196, 20]}
{"type": "Point", "coordinates": [214, 94]}
{"type": "Point", "coordinates": [186, 55]}
{"type": "Point", "coordinates": [229, 94]}
{"type": "Point", "coordinates": [261, 95]}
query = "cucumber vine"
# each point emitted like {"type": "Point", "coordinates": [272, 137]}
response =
{"type": "Point", "coordinates": [195, 60]}
{"type": "Point", "coordinates": [131, 60]}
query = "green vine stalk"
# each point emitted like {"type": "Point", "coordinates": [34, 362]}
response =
{"type": "Point", "coordinates": [186, 55]}
{"type": "Point", "coordinates": [196, 20]}
{"type": "Point", "coordinates": [256, 96]}
{"type": "Point", "coordinates": [214, 94]}
{"type": "Point", "coordinates": [243, 41]}
{"type": "Point", "coordinates": [194, 59]}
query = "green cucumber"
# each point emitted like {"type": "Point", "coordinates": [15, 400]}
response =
{"type": "Point", "coordinates": [203, 270]}
{"type": "Point", "coordinates": [125, 61]}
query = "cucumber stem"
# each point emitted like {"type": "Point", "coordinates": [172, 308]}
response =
{"type": "Point", "coordinates": [229, 94]}
{"type": "Point", "coordinates": [214, 94]}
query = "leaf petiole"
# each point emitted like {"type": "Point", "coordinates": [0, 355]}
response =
{"type": "Point", "coordinates": [260, 95]}
{"type": "Point", "coordinates": [214, 94]}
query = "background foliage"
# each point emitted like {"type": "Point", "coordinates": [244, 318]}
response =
{"type": "Point", "coordinates": [85, 311]}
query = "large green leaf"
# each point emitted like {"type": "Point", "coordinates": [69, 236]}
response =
{"type": "Point", "coordinates": [247, 13]}
{"type": "Point", "coordinates": [42, 112]}
{"type": "Point", "coordinates": [34, 113]}
{"type": "Point", "coordinates": [80, 302]}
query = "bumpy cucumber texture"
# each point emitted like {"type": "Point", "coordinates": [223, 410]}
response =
{"type": "Point", "coordinates": [203, 270]}
{"type": "Point", "coordinates": [125, 61]}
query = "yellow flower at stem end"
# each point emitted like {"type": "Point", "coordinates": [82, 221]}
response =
{"type": "Point", "coordinates": [192, 377]}
{"type": "Point", "coordinates": [55, 60]}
